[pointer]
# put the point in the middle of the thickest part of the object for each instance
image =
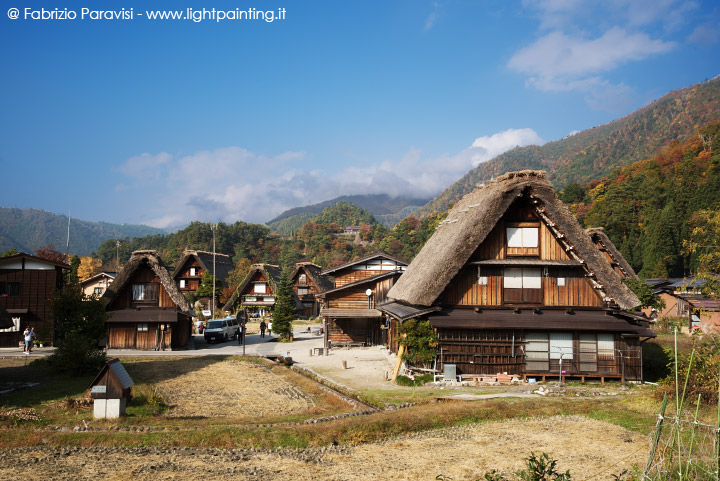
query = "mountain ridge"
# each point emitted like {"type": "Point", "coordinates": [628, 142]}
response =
{"type": "Point", "coordinates": [595, 152]}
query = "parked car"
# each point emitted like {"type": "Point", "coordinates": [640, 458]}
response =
{"type": "Point", "coordinates": [221, 329]}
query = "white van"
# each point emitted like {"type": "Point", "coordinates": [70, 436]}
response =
{"type": "Point", "coordinates": [220, 330]}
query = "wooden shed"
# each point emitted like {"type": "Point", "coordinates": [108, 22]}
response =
{"type": "Point", "coordinates": [111, 390]}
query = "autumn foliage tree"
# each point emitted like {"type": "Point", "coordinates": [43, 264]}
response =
{"type": "Point", "coordinates": [51, 254]}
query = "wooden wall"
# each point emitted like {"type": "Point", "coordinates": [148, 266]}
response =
{"type": "Point", "coordinates": [126, 335]}
{"type": "Point", "coordinates": [346, 331]}
{"type": "Point", "coordinates": [464, 290]}
{"type": "Point", "coordinates": [494, 351]}
{"type": "Point", "coordinates": [37, 287]}
{"type": "Point", "coordinates": [355, 297]}
{"type": "Point", "coordinates": [143, 275]}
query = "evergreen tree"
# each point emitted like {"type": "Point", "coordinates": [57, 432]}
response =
{"type": "Point", "coordinates": [80, 325]}
{"type": "Point", "coordinates": [206, 286]}
{"type": "Point", "coordinates": [284, 311]}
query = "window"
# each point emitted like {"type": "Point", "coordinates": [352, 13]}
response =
{"type": "Point", "coordinates": [9, 289]}
{"type": "Point", "coordinates": [522, 284]}
{"type": "Point", "coordinates": [561, 345]}
{"type": "Point", "coordinates": [522, 236]}
{"type": "Point", "coordinates": [183, 283]}
{"type": "Point", "coordinates": [561, 282]}
{"type": "Point", "coordinates": [193, 271]}
{"type": "Point", "coordinates": [302, 279]}
{"type": "Point", "coordinates": [536, 352]}
{"type": "Point", "coordinates": [482, 279]}
{"type": "Point", "coordinates": [142, 327]}
{"type": "Point", "coordinates": [15, 327]}
{"type": "Point", "coordinates": [145, 292]}
{"type": "Point", "coordinates": [303, 291]}
{"type": "Point", "coordinates": [260, 288]}
{"type": "Point", "coordinates": [98, 291]}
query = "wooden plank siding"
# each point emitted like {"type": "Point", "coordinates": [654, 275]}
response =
{"type": "Point", "coordinates": [36, 288]}
{"type": "Point", "coordinates": [143, 275]}
{"type": "Point", "coordinates": [127, 336]}
{"type": "Point", "coordinates": [347, 276]}
{"type": "Point", "coordinates": [465, 290]}
{"type": "Point", "coordinates": [488, 352]}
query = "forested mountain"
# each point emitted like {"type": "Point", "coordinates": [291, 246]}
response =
{"type": "Point", "coordinates": [30, 229]}
{"type": "Point", "coordinates": [649, 208]}
{"type": "Point", "coordinates": [594, 153]}
{"type": "Point", "coordinates": [384, 207]}
{"type": "Point", "coordinates": [239, 240]}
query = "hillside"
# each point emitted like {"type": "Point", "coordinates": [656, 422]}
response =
{"type": "Point", "coordinates": [30, 229]}
{"type": "Point", "coordinates": [594, 153]}
{"type": "Point", "coordinates": [385, 208]}
{"type": "Point", "coordinates": [650, 208]}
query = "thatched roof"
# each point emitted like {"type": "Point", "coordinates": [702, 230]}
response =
{"type": "Point", "coordinates": [151, 259]}
{"type": "Point", "coordinates": [375, 255]}
{"type": "Point", "coordinates": [597, 234]}
{"type": "Point", "coordinates": [223, 263]}
{"type": "Point", "coordinates": [314, 271]}
{"type": "Point", "coordinates": [270, 272]}
{"type": "Point", "coordinates": [472, 219]}
{"type": "Point", "coordinates": [5, 319]}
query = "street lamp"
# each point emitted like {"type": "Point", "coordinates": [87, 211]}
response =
{"type": "Point", "coordinates": [368, 293]}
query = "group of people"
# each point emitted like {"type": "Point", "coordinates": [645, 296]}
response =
{"type": "Point", "coordinates": [264, 326]}
{"type": "Point", "coordinates": [29, 336]}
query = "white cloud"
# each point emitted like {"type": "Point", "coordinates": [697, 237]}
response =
{"type": "Point", "coordinates": [432, 16]}
{"type": "Point", "coordinates": [226, 184]}
{"type": "Point", "coordinates": [144, 165]}
{"type": "Point", "coordinates": [706, 34]}
{"type": "Point", "coordinates": [485, 148]}
{"type": "Point", "coordinates": [558, 62]}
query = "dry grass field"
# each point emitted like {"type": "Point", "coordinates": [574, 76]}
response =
{"type": "Point", "coordinates": [231, 418]}
{"type": "Point", "coordinates": [592, 450]}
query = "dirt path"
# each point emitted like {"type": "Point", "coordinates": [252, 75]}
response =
{"type": "Point", "coordinates": [592, 450]}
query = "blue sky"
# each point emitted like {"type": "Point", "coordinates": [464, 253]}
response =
{"type": "Point", "coordinates": [164, 122]}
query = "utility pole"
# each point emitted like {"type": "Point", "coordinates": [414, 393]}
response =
{"type": "Point", "coordinates": [213, 227]}
{"type": "Point", "coordinates": [117, 255]}
{"type": "Point", "coordinates": [67, 245]}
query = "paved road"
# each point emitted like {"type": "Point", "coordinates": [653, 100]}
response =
{"type": "Point", "coordinates": [254, 346]}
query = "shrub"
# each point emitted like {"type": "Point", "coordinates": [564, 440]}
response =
{"type": "Point", "coordinates": [703, 378]}
{"type": "Point", "coordinates": [420, 340]}
{"type": "Point", "coordinates": [418, 381]}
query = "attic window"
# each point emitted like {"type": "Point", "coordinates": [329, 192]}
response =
{"type": "Point", "coordinates": [522, 236]}
{"type": "Point", "coordinates": [193, 271]}
{"type": "Point", "coordinates": [302, 279]}
{"type": "Point", "coordinates": [145, 292]}
{"type": "Point", "coordinates": [260, 288]}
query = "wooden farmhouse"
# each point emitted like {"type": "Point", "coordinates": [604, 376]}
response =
{"type": "Point", "coordinates": [256, 295]}
{"type": "Point", "coordinates": [193, 264]}
{"type": "Point", "coordinates": [350, 308]}
{"type": "Point", "coordinates": [147, 310]}
{"type": "Point", "coordinates": [619, 264]}
{"type": "Point", "coordinates": [512, 284]}
{"type": "Point", "coordinates": [308, 281]}
{"type": "Point", "coordinates": [685, 303]}
{"type": "Point", "coordinates": [26, 285]}
{"type": "Point", "coordinates": [97, 284]}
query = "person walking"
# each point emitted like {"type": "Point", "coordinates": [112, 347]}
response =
{"type": "Point", "coordinates": [262, 328]}
{"type": "Point", "coordinates": [270, 328]}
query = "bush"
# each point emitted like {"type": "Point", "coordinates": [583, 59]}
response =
{"type": "Point", "coordinates": [78, 354]}
{"type": "Point", "coordinates": [703, 378]}
{"type": "Point", "coordinates": [418, 381]}
{"type": "Point", "coordinates": [420, 340]}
